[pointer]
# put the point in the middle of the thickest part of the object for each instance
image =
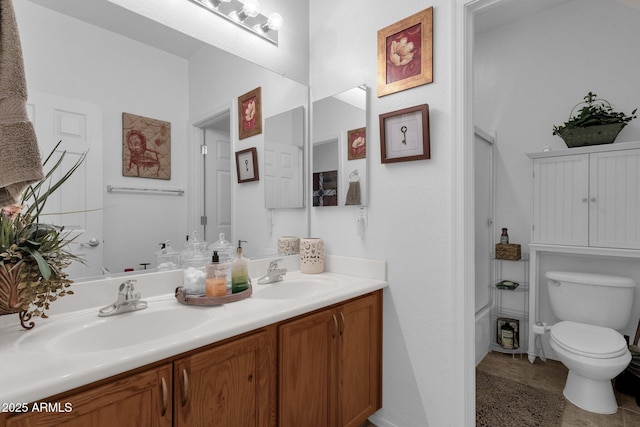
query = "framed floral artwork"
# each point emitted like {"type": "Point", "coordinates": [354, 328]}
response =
{"type": "Point", "coordinates": [404, 135]}
{"type": "Point", "coordinates": [247, 165]}
{"type": "Point", "coordinates": [405, 53]}
{"type": "Point", "coordinates": [357, 144]}
{"type": "Point", "coordinates": [250, 114]}
{"type": "Point", "coordinates": [146, 147]}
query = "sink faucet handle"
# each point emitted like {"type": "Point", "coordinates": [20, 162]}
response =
{"type": "Point", "coordinates": [274, 264]}
{"type": "Point", "coordinates": [126, 290]}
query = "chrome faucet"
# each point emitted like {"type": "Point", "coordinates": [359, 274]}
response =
{"type": "Point", "coordinates": [127, 301]}
{"type": "Point", "coordinates": [274, 274]}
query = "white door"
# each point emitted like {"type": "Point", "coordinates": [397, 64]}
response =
{"type": "Point", "coordinates": [281, 173]}
{"type": "Point", "coordinates": [76, 205]}
{"type": "Point", "coordinates": [217, 185]}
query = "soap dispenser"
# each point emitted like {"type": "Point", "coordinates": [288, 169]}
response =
{"type": "Point", "coordinates": [239, 271]}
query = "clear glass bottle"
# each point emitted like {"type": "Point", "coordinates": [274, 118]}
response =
{"type": "Point", "coordinates": [216, 280]}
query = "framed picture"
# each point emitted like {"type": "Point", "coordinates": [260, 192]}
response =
{"type": "Point", "coordinates": [146, 147]}
{"type": "Point", "coordinates": [404, 135]}
{"type": "Point", "coordinates": [247, 165]}
{"type": "Point", "coordinates": [250, 114]}
{"type": "Point", "coordinates": [405, 53]}
{"type": "Point", "coordinates": [357, 144]}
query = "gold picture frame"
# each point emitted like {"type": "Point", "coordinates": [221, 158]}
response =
{"type": "Point", "coordinates": [250, 113]}
{"type": "Point", "coordinates": [404, 135]}
{"type": "Point", "coordinates": [405, 53]}
{"type": "Point", "coordinates": [357, 144]}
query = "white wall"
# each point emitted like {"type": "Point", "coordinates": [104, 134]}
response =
{"type": "Point", "coordinates": [410, 218]}
{"type": "Point", "coordinates": [67, 57]}
{"type": "Point", "coordinates": [528, 77]}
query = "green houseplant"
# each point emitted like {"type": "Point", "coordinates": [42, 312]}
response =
{"type": "Point", "coordinates": [595, 123]}
{"type": "Point", "coordinates": [33, 255]}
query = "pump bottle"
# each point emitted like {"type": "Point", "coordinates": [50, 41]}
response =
{"type": "Point", "coordinates": [239, 271]}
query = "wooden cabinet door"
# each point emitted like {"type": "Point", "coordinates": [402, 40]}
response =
{"type": "Point", "coordinates": [561, 200]}
{"type": "Point", "coordinates": [229, 385]}
{"type": "Point", "coordinates": [307, 371]}
{"type": "Point", "coordinates": [360, 369]}
{"type": "Point", "coordinates": [142, 399]}
{"type": "Point", "coordinates": [614, 199]}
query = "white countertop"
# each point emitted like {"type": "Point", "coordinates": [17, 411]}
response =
{"type": "Point", "coordinates": [34, 365]}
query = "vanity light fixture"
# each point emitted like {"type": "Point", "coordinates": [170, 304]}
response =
{"type": "Point", "coordinates": [245, 14]}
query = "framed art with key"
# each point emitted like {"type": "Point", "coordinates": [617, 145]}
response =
{"type": "Point", "coordinates": [247, 165]}
{"type": "Point", "coordinates": [404, 135]}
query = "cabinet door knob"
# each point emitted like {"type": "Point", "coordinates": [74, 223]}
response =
{"type": "Point", "coordinates": [185, 387]}
{"type": "Point", "coordinates": [593, 200]}
{"type": "Point", "coordinates": [165, 396]}
{"type": "Point", "coordinates": [585, 200]}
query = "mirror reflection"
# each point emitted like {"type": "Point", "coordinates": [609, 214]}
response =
{"type": "Point", "coordinates": [284, 160]}
{"type": "Point", "coordinates": [184, 87]}
{"type": "Point", "coordinates": [340, 149]}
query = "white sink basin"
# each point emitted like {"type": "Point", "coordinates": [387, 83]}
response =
{"type": "Point", "coordinates": [293, 289]}
{"type": "Point", "coordinates": [89, 333]}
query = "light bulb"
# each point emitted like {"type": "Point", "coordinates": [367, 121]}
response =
{"type": "Point", "coordinates": [275, 21]}
{"type": "Point", "coordinates": [250, 8]}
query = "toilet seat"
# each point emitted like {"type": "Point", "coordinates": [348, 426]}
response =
{"type": "Point", "coordinates": [588, 340]}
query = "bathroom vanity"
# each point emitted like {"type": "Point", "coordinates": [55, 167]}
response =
{"type": "Point", "coordinates": [586, 203]}
{"type": "Point", "coordinates": [304, 351]}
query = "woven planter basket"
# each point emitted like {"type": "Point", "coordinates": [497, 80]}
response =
{"type": "Point", "coordinates": [592, 135]}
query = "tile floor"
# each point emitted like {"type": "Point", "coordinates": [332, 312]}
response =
{"type": "Point", "coordinates": [551, 375]}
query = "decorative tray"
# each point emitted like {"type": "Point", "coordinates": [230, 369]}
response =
{"type": "Point", "coordinates": [203, 300]}
{"type": "Point", "coordinates": [507, 284]}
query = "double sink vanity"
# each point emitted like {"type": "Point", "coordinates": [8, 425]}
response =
{"type": "Point", "coordinates": [302, 351]}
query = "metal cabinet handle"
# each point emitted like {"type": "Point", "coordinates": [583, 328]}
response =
{"type": "Point", "coordinates": [335, 322]}
{"type": "Point", "coordinates": [165, 396]}
{"type": "Point", "coordinates": [342, 322]}
{"type": "Point", "coordinates": [185, 387]}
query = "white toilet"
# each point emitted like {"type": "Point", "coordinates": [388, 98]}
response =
{"type": "Point", "coordinates": [591, 307]}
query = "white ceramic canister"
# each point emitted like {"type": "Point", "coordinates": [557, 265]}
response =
{"type": "Point", "coordinates": [288, 245]}
{"type": "Point", "coordinates": [311, 255]}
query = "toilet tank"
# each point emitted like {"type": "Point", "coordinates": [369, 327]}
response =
{"type": "Point", "coordinates": [594, 299]}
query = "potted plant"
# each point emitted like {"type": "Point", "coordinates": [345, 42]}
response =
{"type": "Point", "coordinates": [595, 123]}
{"type": "Point", "coordinates": [33, 255]}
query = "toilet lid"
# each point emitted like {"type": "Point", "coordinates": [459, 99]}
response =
{"type": "Point", "coordinates": [588, 340]}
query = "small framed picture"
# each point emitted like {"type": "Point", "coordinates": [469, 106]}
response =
{"type": "Point", "coordinates": [405, 53]}
{"type": "Point", "coordinates": [357, 144]}
{"type": "Point", "coordinates": [250, 114]}
{"type": "Point", "coordinates": [247, 165]}
{"type": "Point", "coordinates": [404, 135]}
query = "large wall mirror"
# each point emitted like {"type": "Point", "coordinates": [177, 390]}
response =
{"type": "Point", "coordinates": [339, 140]}
{"type": "Point", "coordinates": [185, 83]}
{"type": "Point", "coordinates": [284, 143]}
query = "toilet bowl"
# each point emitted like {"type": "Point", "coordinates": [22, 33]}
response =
{"type": "Point", "coordinates": [594, 355]}
{"type": "Point", "coordinates": [591, 309]}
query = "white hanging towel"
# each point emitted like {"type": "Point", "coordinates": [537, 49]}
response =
{"type": "Point", "coordinates": [20, 163]}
